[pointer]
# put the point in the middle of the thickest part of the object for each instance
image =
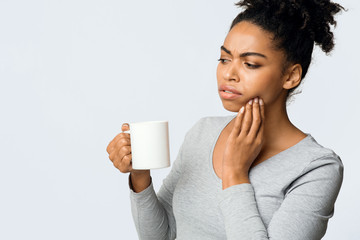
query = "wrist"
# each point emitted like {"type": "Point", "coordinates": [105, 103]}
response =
{"type": "Point", "coordinates": [140, 173]}
{"type": "Point", "coordinates": [139, 181]}
{"type": "Point", "coordinates": [230, 179]}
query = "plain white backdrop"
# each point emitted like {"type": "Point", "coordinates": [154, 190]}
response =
{"type": "Point", "coordinates": [71, 72]}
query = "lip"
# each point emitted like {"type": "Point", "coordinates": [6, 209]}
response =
{"type": "Point", "coordinates": [234, 92]}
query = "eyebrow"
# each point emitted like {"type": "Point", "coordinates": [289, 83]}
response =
{"type": "Point", "coordinates": [245, 54]}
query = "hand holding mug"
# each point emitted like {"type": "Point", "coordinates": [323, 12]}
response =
{"type": "Point", "coordinates": [119, 150]}
{"type": "Point", "coordinates": [148, 148]}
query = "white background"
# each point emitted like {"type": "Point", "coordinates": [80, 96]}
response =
{"type": "Point", "coordinates": [72, 71]}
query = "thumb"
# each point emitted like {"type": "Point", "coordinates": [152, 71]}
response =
{"type": "Point", "coordinates": [125, 127]}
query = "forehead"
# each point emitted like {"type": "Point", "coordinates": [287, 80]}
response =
{"type": "Point", "coordinates": [246, 37]}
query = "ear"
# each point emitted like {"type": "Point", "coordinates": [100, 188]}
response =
{"type": "Point", "coordinates": [292, 77]}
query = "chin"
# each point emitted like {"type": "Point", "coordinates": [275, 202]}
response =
{"type": "Point", "coordinates": [232, 107]}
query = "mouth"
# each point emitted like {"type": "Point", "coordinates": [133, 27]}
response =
{"type": "Point", "coordinates": [229, 89]}
{"type": "Point", "coordinates": [228, 92]}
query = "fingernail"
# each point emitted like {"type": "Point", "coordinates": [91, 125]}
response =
{"type": "Point", "coordinates": [256, 100]}
{"type": "Point", "coordinates": [250, 102]}
{"type": "Point", "coordinates": [261, 102]}
{"type": "Point", "coordinates": [242, 109]}
{"type": "Point", "coordinates": [126, 124]}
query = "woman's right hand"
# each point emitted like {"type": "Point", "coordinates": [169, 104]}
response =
{"type": "Point", "coordinates": [119, 150]}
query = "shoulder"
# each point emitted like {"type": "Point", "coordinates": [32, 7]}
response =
{"type": "Point", "coordinates": [307, 161]}
{"type": "Point", "coordinates": [318, 155]}
{"type": "Point", "coordinates": [319, 164]}
{"type": "Point", "coordinates": [307, 153]}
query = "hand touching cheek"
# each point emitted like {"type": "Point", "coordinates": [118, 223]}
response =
{"type": "Point", "coordinates": [244, 143]}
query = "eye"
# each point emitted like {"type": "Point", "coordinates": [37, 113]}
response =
{"type": "Point", "coordinates": [222, 60]}
{"type": "Point", "coordinates": [252, 66]}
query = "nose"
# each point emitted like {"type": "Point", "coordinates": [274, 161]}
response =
{"type": "Point", "coordinates": [232, 72]}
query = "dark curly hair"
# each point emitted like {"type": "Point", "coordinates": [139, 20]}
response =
{"type": "Point", "coordinates": [296, 26]}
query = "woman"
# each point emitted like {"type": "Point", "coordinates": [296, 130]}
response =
{"type": "Point", "coordinates": [253, 175]}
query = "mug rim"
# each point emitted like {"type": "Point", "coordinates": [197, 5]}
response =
{"type": "Point", "coordinates": [150, 122]}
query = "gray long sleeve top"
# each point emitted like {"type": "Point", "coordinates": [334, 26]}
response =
{"type": "Point", "coordinates": [291, 195]}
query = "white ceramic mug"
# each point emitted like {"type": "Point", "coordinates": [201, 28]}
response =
{"type": "Point", "coordinates": [150, 144]}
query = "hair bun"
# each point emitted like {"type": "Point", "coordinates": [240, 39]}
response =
{"type": "Point", "coordinates": [314, 17]}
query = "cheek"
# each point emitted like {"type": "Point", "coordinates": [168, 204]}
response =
{"type": "Point", "coordinates": [263, 84]}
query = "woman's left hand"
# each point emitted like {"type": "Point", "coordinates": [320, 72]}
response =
{"type": "Point", "coordinates": [243, 144]}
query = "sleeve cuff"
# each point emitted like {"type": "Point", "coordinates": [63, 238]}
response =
{"type": "Point", "coordinates": [236, 191]}
{"type": "Point", "coordinates": [237, 199]}
{"type": "Point", "coordinates": [241, 216]}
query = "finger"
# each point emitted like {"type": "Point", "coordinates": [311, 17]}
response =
{"type": "Point", "coordinates": [125, 127]}
{"type": "Point", "coordinates": [245, 128]}
{"type": "Point", "coordinates": [262, 114]}
{"type": "Point", "coordinates": [262, 109]}
{"type": "Point", "coordinates": [114, 142]}
{"type": "Point", "coordinates": [126, 162]}
{"type": "Point", "coordinates": [111, 144]}
{"type": "Point", "coordinates": [117, 163]}
{"type": "Point", "coordinates": [109, 148]}
{"type": "Point", "coordinates": [123, 140]}
{"type": "Point", "coordinates": [256, 119]}
{"type": "Point", "coordinates": [123, 151]}
{"type": "Point", "coordinates": [118, 155]}
{"type": "Point", "coordinates": [237, 125]}
{"type": "Point", "coordinates": [120, 142]}
{"type": "Point", "coordinates": [112, 156]}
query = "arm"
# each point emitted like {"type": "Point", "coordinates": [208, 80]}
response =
{"type": "Point", "coordinates": [304, 213]}
{"type": "Point", "coordinates": [152, 213]}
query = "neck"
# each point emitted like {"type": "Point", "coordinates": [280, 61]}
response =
{"type": "Point", "coordinates": [278, 128]}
